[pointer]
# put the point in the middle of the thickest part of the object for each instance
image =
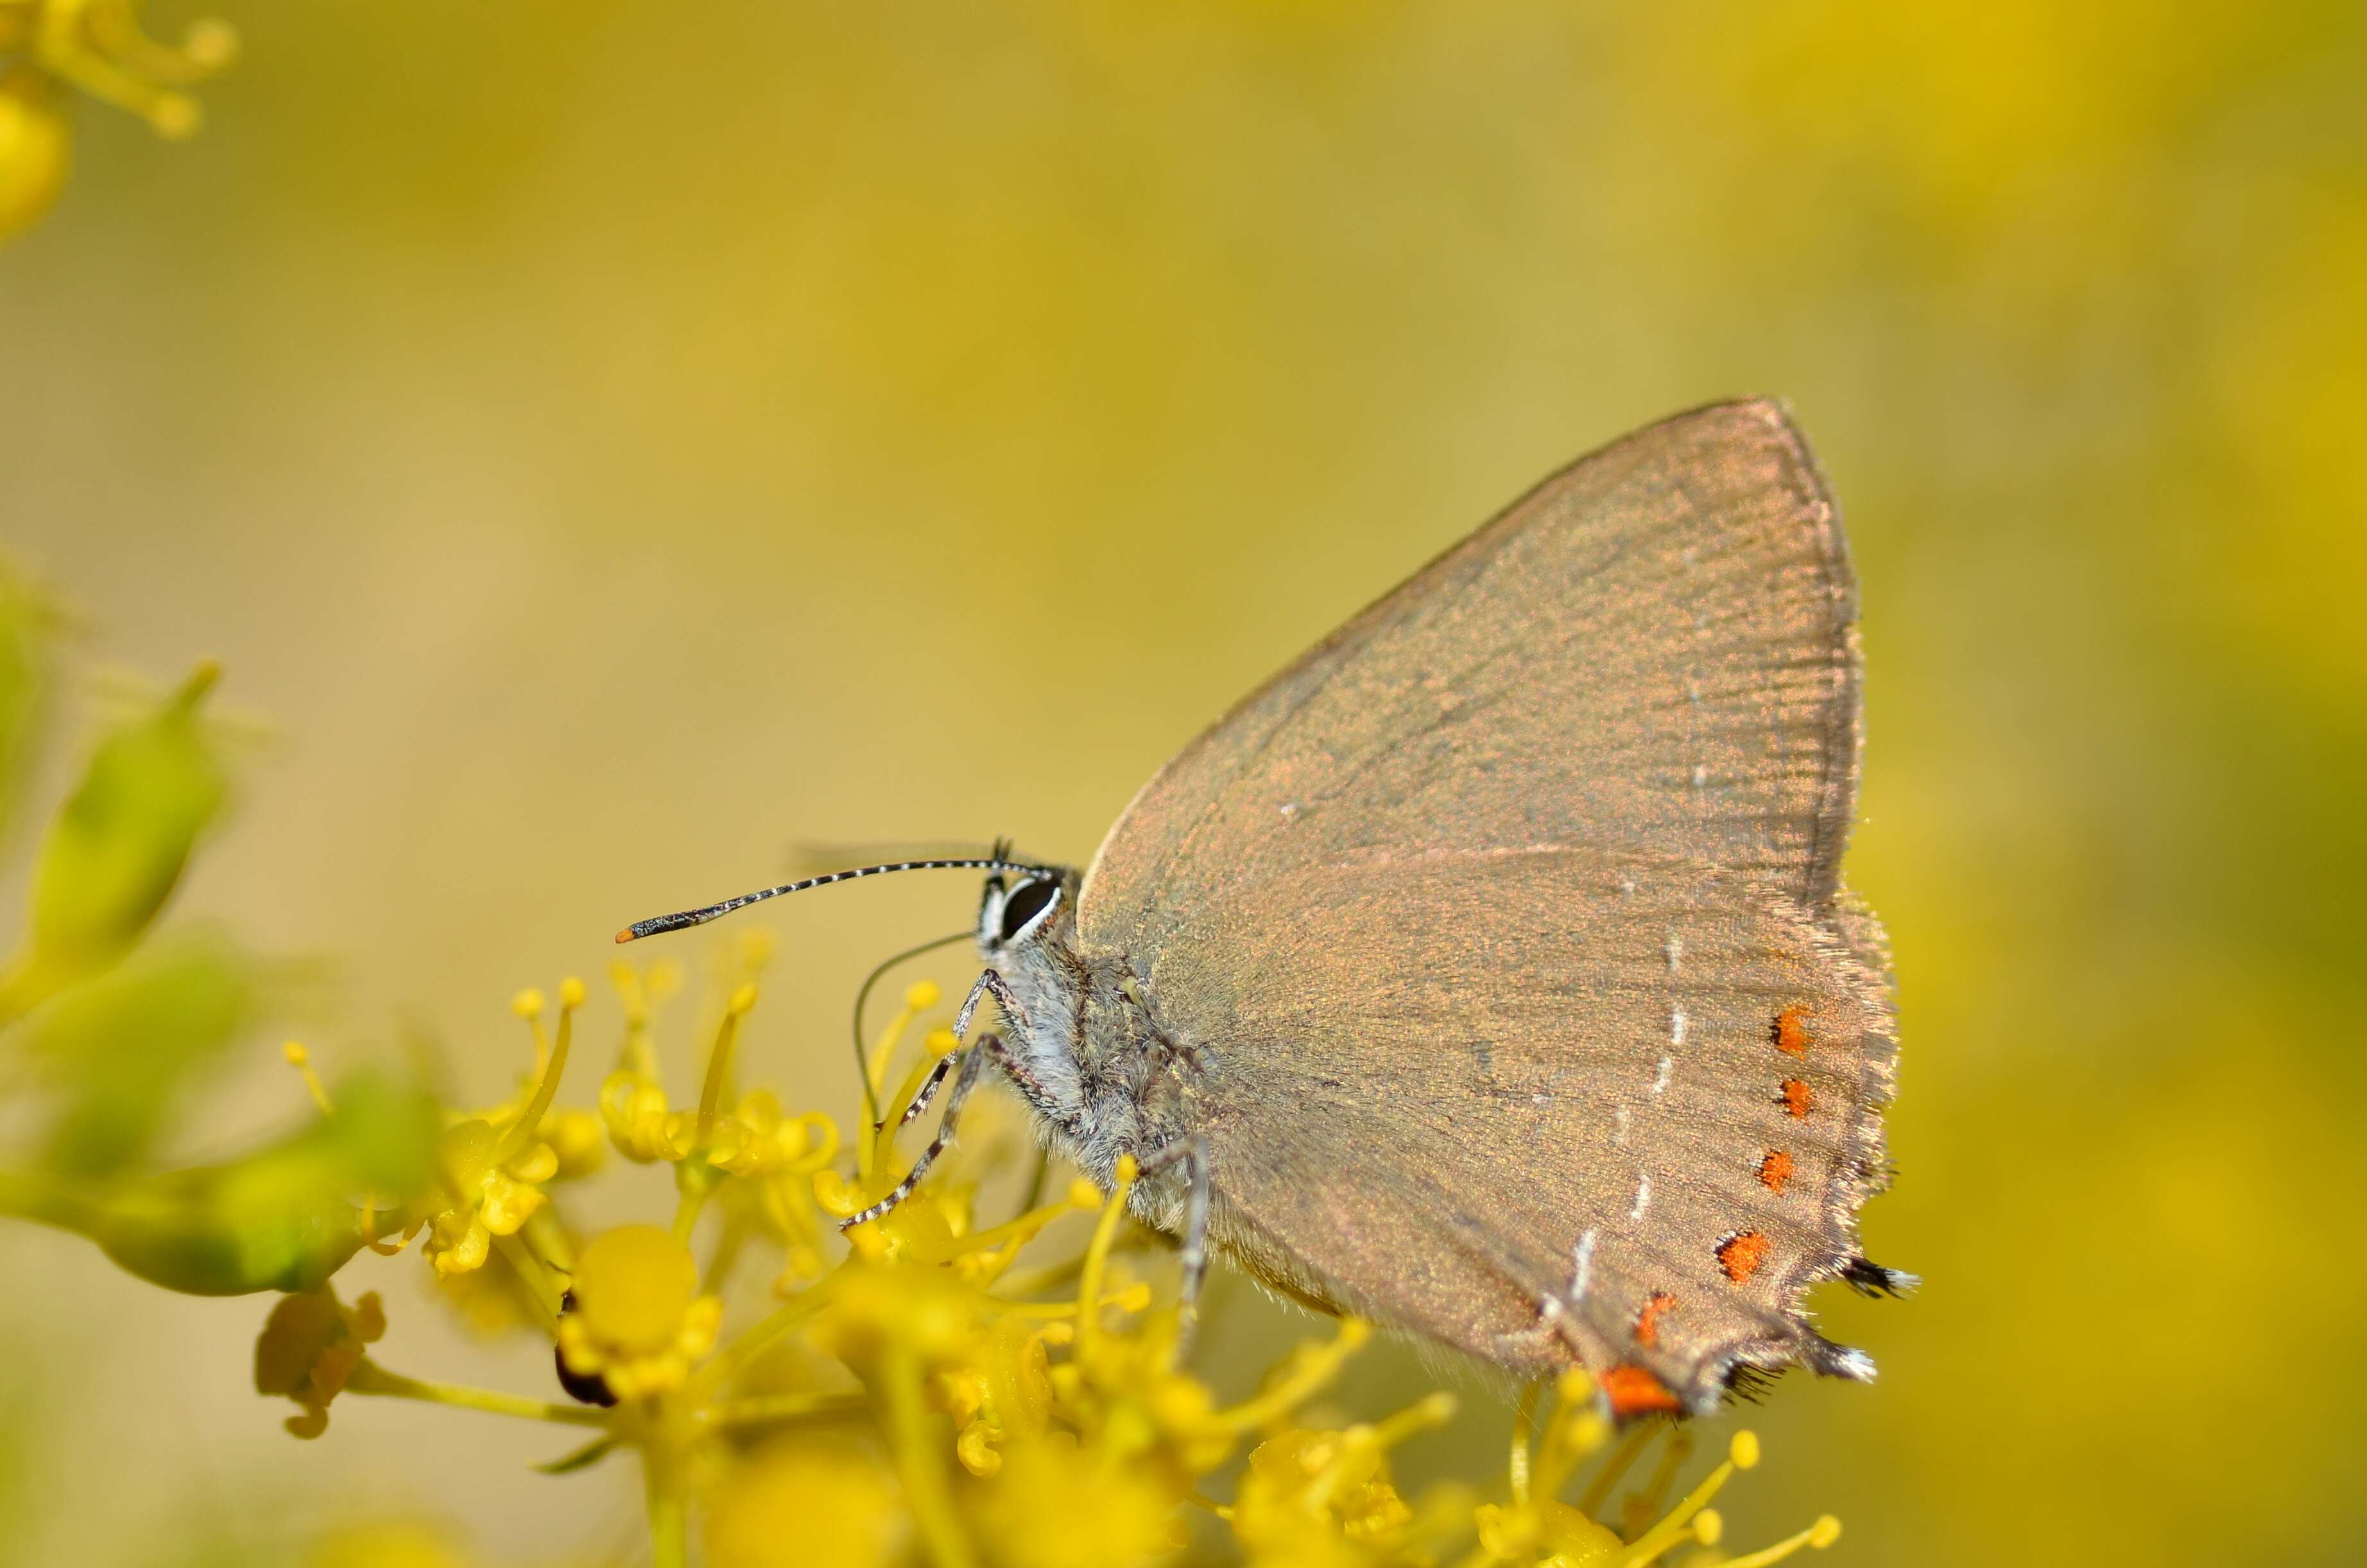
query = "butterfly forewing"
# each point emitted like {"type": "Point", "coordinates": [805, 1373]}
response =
{"type": "Point", "coordinates": [1654, 650]}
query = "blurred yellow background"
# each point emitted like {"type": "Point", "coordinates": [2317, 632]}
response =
{"type": "Point", "coordinates": [615, 444]}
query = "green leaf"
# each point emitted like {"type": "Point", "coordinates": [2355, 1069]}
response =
{"type": "Point", "coordinates": [124, 1045]}
{"type": "Point", "coordinates": [281, 1218]}
{"type": "Point", "coordinates": [117, 850]}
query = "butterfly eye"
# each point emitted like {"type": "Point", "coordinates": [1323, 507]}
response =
{"type": "Point", "coordinates": [1027, 905]}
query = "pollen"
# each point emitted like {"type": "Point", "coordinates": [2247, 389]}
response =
{"type": "Point", "coordinates": [1774, 1170]}
{"type": "Point", "coordinates": [1741, 1254]}
{"type": "Point", "coordinates": [1648, 1322]}
{"type": "Point", "coordinates": [1791, 1032]}
{"type": "Point", "coordinates": [1797, 1098]}
{"type": "Point", "coordinates": [1632, 1391]}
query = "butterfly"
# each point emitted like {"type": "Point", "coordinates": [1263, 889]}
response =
{"type": "Point", "coordinates": [1489, 971]}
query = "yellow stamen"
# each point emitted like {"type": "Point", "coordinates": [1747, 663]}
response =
{"type": "Point", "coordinates": [1639, 1508]}
{"type": "Point", "coordinates": [718, 1059]}
{"type": "Point", "coordinates": [1434, 1410]}
{"type": "Point", "coordinates": [1575, 1429]}
{"type": "Point", "coordinates": [1089, 1291]}
{"type": "Point", "coordinates": [919, 997]}
{"type": "Point", "coordinates": [1598, 1491]}
{"type": "Point", "coordinates": [529, 1004]}
{"type": "Point", "coordinates": [208, 46]}
{"type": "Point", "coordinates": [1820, 1535]}
{"type": "Point", "coordinates": [926, 1488]}
{"type": "Point", "coordinates": [548, 1066]}
{"type": "Point", "coordinates": [940, 1043]}
{"type": "Point", "coordinates": [1080, 1198]}
{"type": "Point", "coordinates": [641, 993]}
{"type": "Point", "coordinates": [1523, 1419]}
{"type": "Point", "coordinates": [1316, 1365]}
{"type": "Point", "coordinates": [1333, 1461]}
{"type": "Point", "coordinates": [127, 68]}
{"type": "Point", "coordinates": [763, 1336]}
{"type": "Point", "coordinates": [301, 1060]}
{"type": "Point", "coordinates": [1742, 1454]}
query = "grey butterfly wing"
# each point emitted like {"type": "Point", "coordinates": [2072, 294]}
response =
{"type": "Point", "coordinates": [1628, 1158]}
{"type": "Point", "coordinates": [1655, 650]}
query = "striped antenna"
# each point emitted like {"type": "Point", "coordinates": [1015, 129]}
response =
{"type": "Point", "coordinates": [999, 860]}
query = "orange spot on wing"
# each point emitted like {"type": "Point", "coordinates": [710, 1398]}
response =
{"type": "Point", "coordinates": [1791, 1032]}
{"type": "Point", "coordinates": [1648, 1322]}
{"type": "Point", "coordinates": [1774, 1170]}
{"type": "Point", "coordinates": [1632, 1391]}
{"type": "Point", "coordinates": [1741, 1254]}
{"type": "Point", "coordinates": [1796, 1097]}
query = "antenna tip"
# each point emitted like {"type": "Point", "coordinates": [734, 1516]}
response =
{"type": "Point", "coordinates": [625, 935]}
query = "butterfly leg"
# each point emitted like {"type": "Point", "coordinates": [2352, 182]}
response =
{"type": "Point", "coordinates": [989, 1048]}
{"type": "Point", "coordinates": [989, 982]}
{"type": "Point", "coordinates": [1192, 1154]}
{"type": "Point", "coordinates": [937, 1078]}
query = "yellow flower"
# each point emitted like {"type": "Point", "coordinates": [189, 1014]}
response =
{"type": "Point", "coordinates": [1125, 1390]}
{"type": "Point", "coordinates": [804, 1500]}
{"type": "Point", "coordinates": [910, 1402]}
{"type": "Point", "coordinates": [757, 1138]}
{"type": "Point", "coordinates": [33, 143]}
{"type": "Point", "coordinates": [308, 1346]}
{"type": "Point", "coordinates": [494, 1192]}
{"type": "Point", "coordinates": [492, 1172]}
{"type": "Point", "coordinates": [643, 1127]}
{"type": "Point", "coordinates": [1316, 1498]}
{"type": "Point", "coordinates": [98, 46]}
{"type": "Point", "coordinates": [1535, 1528]}
{"type": "Point", "coordinates": [639, 1323]}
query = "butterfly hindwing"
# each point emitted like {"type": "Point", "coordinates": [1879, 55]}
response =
{"type": "Point", "coordinates": [1642, 1151]}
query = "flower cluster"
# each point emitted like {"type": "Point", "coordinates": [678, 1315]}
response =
{"type": "Point", "coordinates": [919, 1395]}
{"type": "Point", "coordinates": [936, 1385]}
{"type": "Point", "coordinates": [49, 47]}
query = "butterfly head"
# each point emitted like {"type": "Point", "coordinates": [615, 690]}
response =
{"type": "Point", "coordinates": [1023, 906]}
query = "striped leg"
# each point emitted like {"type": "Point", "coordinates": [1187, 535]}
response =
{"type": "Point", "coordinates": [1191, 1152]}
{"type": "Point", "coordinates": [1030, 1086]}
{"type": "Point", "coordinates": [973, 1067]}
{"type": "Point", "coordinates": [928, 1092]}
{"type": "Point", "coordinates": [989, 984]}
